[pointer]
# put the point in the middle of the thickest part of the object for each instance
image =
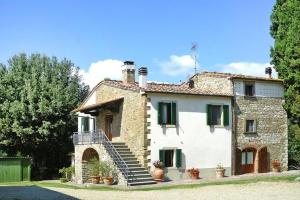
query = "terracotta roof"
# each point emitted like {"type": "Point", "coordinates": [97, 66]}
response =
{"type": "Point", "coordinates": [97, 105]}
{"type": "Point", "coordinates": [237, 76]}
{"type": "Point", "coordinates": [167, 88]}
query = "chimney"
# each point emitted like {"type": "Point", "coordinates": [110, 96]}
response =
{"type": "Point", "coordinates": [268, 71]}
{"type": "Point", "coordinates": [143, 77]}
{"type": "Point", "coordinates": [128, 72]}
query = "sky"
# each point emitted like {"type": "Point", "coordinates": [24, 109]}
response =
{"type": "Point", "coordinates": [97, 36]}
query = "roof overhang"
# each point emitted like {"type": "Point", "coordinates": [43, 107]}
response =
{"type": "Point", "coordinates": [93, 109]}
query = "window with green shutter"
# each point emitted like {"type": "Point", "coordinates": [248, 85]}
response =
{"type": "Point", "coordinates": [225, 115]}
{"type": "Point", "coordinates": [178, 158]}
{"type": "Point", "coordinates": [167, 113]}
{"type": "Point", "coordinates": [208, 114]}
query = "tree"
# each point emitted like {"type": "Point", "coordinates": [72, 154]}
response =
{"type": "Point", "coordinates": [37, 94]}
{"type": "Point", "coordinates": [285, 29]}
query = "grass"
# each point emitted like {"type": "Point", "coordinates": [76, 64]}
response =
{"type": "Point", "coordinates": [247, 180]}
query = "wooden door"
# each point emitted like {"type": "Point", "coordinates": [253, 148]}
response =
{"type": "Point", "coordinates": [248, 157]}
{"type": "Point", "coordinates": [108, 126]}
{"type": "Point", "coordinates": [238, 161]}
{"type": "Point", "coordinates": [263, 160]}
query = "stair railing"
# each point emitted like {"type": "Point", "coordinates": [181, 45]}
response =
{"type": "Point", "coordinates": [99, 137]}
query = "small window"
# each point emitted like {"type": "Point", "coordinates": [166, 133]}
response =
{"type": "Point", "coordinates": [85, 125]}
{"type": "Point", "coordinates": [250, 126]}
{"type": "Point", "coordinates": [169, 158]}
{"type": "Point", "coordinates": [249, 89]}
{"type": "Point", "coordinates": [247, 157]}
{"type": "Point", "coordinates": [216, 115]}
{"type": "Point", "coordinates": [167, 113]}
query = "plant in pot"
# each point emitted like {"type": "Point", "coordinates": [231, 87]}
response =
{"type": "Point", "coordinates": [107, 172]}
{"type": "Point", "coordinates": [220, 171]}
{"type": "Point", "coordinates": [276, 166]}
{"type": "Point", "coordinates": [94, 170]}
{"type": "Point", "coordinates": [158, 172]}
{"type": "Point", "coordinates": [194, 173]}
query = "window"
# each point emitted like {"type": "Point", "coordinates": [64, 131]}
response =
{"type": "Point", "coordinates": [247, 157]}
{"type": "Point", "coordinates": [167, 113]}
{"type": "Point", "coordinates": [85, 125]}
{"type": "Point", "coordinates": [167, 157]}
{"type": "Point", "coordinates": [250, 126]}
{"type": "Point", "coordinates": [214, 115]}
{"type": "Point", "coordinates": [249, 89]}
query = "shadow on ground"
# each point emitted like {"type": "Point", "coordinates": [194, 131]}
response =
{"type": "Point", "coordinates": [30, 193]}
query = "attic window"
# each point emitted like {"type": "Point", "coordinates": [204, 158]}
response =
{"type": "Point", "coordinates": [249, 89]}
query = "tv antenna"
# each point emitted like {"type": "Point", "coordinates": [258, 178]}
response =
{"type": "Point", "coordinates": [194, 51]}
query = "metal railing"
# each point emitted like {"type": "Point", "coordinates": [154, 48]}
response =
{"type": "Point", "coordinates": [99, 137]}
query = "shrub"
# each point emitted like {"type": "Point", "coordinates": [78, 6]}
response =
{"type": "Point", "coordinates": [94, 167]}
{"type": "Point", "coordinates": [63, 180]}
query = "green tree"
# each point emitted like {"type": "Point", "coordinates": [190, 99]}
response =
{"type": "Point", "coordinates": [37, 94]}
{"type": "Point", "coordinates": [285, 29]}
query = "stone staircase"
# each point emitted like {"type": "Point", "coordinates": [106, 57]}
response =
{"type": "Point", "coordinates": [140, 175]}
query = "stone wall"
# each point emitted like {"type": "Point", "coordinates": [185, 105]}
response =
{"type": "Point", "coordinates": [206, 81]}
{"type": "Point", "coordinates": [81, 172]}
{"type": "Point", "coordinates": [271, 126]}
{"type": "Point", "coordinates": [130, 122]}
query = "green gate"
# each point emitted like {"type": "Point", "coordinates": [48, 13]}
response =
{"type": "Point", "coordinates": [13, 169]}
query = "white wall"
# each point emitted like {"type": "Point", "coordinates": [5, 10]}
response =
{"type": "Point", "coordinates": [262, 89]}
{"type": "Point", "coordinates": [202, 146]}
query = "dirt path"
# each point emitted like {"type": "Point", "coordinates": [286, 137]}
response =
{"type": "Point", "coordinates": [261, 191]}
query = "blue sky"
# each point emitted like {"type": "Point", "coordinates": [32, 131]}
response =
{"type": "Point", "coordinates": [232, 35]}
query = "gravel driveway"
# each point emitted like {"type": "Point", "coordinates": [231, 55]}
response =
{"type": "Point", "coordinates": [261, 191]}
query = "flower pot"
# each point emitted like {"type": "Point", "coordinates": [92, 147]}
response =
{"type": "Point", "coordinates": [194, 175]}
{"type": "Point", "coordinates": [276, 169]}
{"type": "Point", "coordinates": [108, 180]}
{"type": "Point", "coordinates": [220, 173]}
{"type": "Point", "coordinates": [95, 179]}
{"type": "Point", "coordinates": [158, 174]}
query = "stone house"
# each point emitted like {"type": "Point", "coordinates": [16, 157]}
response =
{"type": "Point", "coordinates": [215, 118]}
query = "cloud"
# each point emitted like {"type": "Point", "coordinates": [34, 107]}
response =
{"type": "Point", "coordinates": [247, 68]}
{"type": "Point", "coordinates": [177, 65]}
{"type": "Point", "coordinates": [102, 69]}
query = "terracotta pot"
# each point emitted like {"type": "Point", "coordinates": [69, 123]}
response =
{"type": "Point", "coordinates": [108, 180]}
{"type": "Point", "coordinates": [95, 179]}
{"type": "Point", "coordinates": [220, 173]}
{"type": "Point", "coordinates": [158, 174]}
{"type": "Point", "coordinates": [194, 175]}
{"type": "Point", "coordinates": [276, 169]}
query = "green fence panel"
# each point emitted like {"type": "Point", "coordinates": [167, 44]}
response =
{"type": "Point", "coordinates": [15, 169]}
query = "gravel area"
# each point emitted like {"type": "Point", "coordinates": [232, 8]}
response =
{"type": "Point", "coordinates": [262, 190]}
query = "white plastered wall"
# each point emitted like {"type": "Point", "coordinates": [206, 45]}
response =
{"type": "Point", "coordinates": [202, 146]}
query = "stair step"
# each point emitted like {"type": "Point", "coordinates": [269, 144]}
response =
{"type": "Point", "coordinates": [142, 183]}
{"type": "Point", "coordinates": [137, 172]}
{"type": "Point", "coordinates": [133, 165]}
{"type": "Point", "coordinates": [131, 162]}
{"type": "Point", "coordinates": [140, 179]}
{"type": "Point", "coordinates": [140, 176]}
{"type": "Point", "coordinates": [118, 143]}
{"type": "Point", "coordinates": [133, 169]}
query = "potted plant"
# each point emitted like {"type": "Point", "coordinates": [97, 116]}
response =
{"type": "Point", "coordinates": [158, 172]}
{"type": "Point", "coordinates": [68, 172]}
{"type": "Point", "coordinates": [107, 172]}
{"type": "Point", "coordinates": [220, 171]}
{"type": "Point", "coordinates": [276, 165]}
{"type": "Point", "coordinates": [194, 173]}
{"type": "Point", "coordinates": [94, 170]}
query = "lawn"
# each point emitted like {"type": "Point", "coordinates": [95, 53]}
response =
{"type": "Point", "coordinates": [248, 180]}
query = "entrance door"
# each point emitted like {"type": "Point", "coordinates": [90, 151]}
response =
{"type": "Point", "coordinates": [248, 157]}
{"type": "Point", "coordinates": [108, 126]}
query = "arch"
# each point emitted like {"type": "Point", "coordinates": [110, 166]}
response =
{"type": "Point", "coordinates": [263, 160]}
{"type": "Point", "coordinates": [248, 159]}
{"type": "Point", "coordinates": [88, 154]}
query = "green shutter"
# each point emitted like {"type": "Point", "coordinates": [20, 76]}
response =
{"type": "Point", "coordinates": [162, 156]}
{"type": "Point", "coordinates": [208, 114]}
{"type": "Point", "coordinates": [159, 112]}
{"type": "Point", "coordinates": [178, 158]}
{"type": "Point", "coordinates": [225, 115]}
{"type": "Point", "coordinates": [173, 113]}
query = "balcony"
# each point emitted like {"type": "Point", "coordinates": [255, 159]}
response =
{"type": "Point", "coordinates": [90, 137]}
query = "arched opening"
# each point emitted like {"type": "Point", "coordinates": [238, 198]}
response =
{"type": "Point", "coordinates": [248, 160]}
{"type": "Point", "coordinates": [263, 160]}
{"type": "Point", "coordinates": [87, 155]}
